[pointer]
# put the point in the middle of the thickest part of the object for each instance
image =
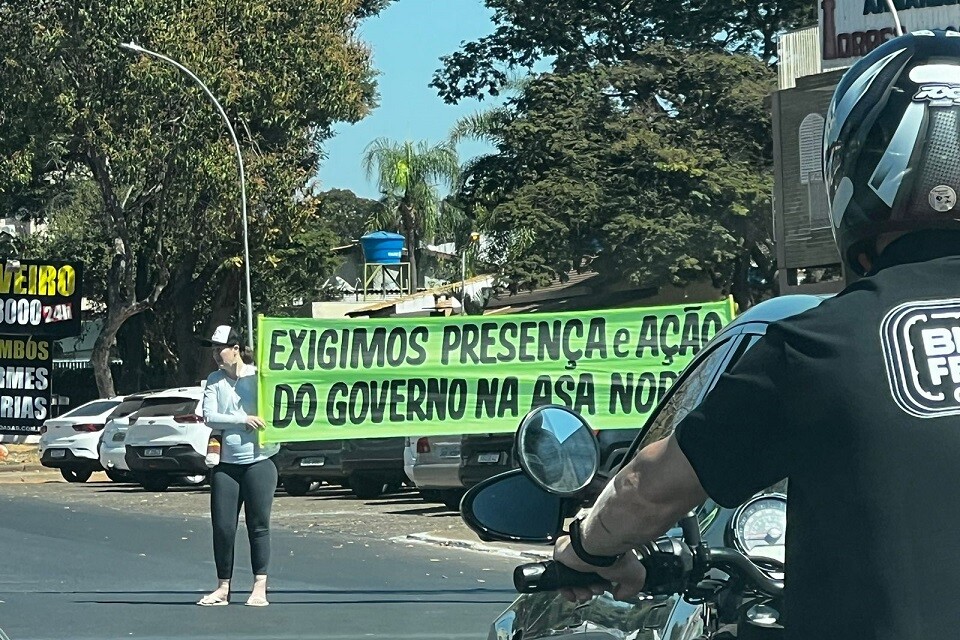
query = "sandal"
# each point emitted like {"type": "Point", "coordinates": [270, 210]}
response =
{"type": "Point", "coordinates": [213, 600]}
{"type": "Point", "coordinates": [257, 601]}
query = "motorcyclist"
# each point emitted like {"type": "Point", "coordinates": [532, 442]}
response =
{"type": "Point", "coordinates": [857, 401]}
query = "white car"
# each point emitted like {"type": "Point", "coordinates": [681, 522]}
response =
{"type": "Point", "coordinates": [433, 464]}
{"type": "Point", "coordinates": [409, 455]}
{"type": "Point", "coordinates": [112, 448]}
{"type": "Point", "coordinates": [167, 439]}
{"type": "Point", "coordinates": [69, 442]}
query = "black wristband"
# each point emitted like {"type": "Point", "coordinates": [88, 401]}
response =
{"type": "Point", "coordinates": [577, 546]}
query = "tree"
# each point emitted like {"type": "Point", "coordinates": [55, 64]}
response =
{"type": "Point", "coordinates": [368, 8]}
{"type": "Point", "coordinates": [77, 108]}
{"type": "Point", "coordinates": [347, 214]}
{"type": "Point", "coordinates": [578, 34]}
{"type": "Point", "coordinates": [646, 169]}
{"type": "Point", "coordinates": [408, 174]}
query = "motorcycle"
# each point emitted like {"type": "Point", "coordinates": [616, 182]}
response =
{"type": "Point", "coordinates": [718, 574]}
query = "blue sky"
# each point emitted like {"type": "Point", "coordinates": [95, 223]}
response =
{"type": "Point", "coordinates": [407, 39]}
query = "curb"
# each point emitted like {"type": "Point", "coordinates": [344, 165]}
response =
{"type": "Point", "coordinates": [22, 468]}
{"type": "Point", "coordinates": [436, 541]}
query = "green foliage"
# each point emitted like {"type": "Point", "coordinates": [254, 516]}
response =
{"type": "Point", "coordinates": [578, 34]}
{"type": "Point", "coordinates": [348, 215]}
{"type": "Point", "coordinates": [646, 150]}
{"type": "Point", "coordinates": [648, 170]}
{"type": "Point", "coordinates": [164, 225]}
{"type": "Point", "coordinates": [368, 8]}
{"type": "Point", "coordinates": [72, 232]}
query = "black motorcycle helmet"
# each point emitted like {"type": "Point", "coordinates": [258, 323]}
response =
{"type": "Point", "coordinates": [891, 147]}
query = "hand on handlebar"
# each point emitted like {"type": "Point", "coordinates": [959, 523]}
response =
{"type": "Point", "coordinates": [624, 579]}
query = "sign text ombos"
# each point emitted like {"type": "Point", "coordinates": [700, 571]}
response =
{"type": "Point", "coordinates": [25, 369]}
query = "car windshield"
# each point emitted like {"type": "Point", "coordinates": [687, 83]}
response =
{"type": "Point", "coordinates": [168, 407]}
{"type": "Point", "coordinates": [125, 408]}
{"type": "Point", "coordinates": [686, 393]}
{"type": "Point", "coordinates": [689, 391]}
{"type": "Point", "coordinates": [92, 409]}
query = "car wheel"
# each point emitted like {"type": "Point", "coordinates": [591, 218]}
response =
{"type": "Point", "coordinates": [119, 476]}
{"type": "Point", "coordinates": [155, 482]}
{"type": "Point", "coordinates": [296, 486]}
{"type": "Point", "coordinates": [366, 487]}
{"type": "Point", "coordinates": [451, 499]}
{"type": "Point", "coordinates": [430, 495]}
{"type": "Point", "coordinates": [76, 474]}
{"type": "Point", "coordinates": [393, 487]}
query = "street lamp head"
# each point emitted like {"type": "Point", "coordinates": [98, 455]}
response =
{"type": "Point", "coordinates": [131, 47]}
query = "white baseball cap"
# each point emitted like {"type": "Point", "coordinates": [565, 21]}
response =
{"type": "Point", "coordinates": [224, 335]}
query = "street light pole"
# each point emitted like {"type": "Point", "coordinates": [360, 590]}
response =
{"type": "Point", "coordinates": [243, 180]}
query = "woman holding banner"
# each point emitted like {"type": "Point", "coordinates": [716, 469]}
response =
{"type": "Point", "coordinates": [246, 476]}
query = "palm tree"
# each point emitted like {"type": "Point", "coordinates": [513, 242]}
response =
{"type": "Point", "coordinates": [408, 175]}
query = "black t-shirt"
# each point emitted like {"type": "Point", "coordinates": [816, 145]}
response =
{"type": "Point", "coordinates": [857, 401]}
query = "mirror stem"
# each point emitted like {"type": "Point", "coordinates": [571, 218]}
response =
{"type": "Point", "coordinates": [691, 530]}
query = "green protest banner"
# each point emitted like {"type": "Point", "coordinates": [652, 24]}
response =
{"type": "Point", "coordinates": [328, 379]}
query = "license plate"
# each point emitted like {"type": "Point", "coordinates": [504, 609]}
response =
{"type": "Point", "coordinates": [449, 452]}
{"type": "Point", "coordinates": [152, 452]}
{"type": "Point", "coordinates": [118, 437]}
{"type": "Point", "coordinates": [313, 462]}
{"type": "Point", "coordinates": [58, 453]}
{"type": "Point", "coordinates": [485, 458]}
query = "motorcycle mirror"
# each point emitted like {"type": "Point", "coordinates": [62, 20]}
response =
{"type": "Point", "coordinates": [557, 450]}
{"type": "Point", "coordinates": [511, 508]}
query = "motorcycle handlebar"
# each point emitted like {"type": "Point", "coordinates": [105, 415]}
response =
{"type": "Point", "coordinates": [734, 562]}
{"type": "Point", "coordinates": [551, 575]}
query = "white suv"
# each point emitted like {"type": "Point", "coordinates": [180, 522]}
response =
{"type": "Point", "coordinates": [69, 442]}
{"type": "Point", "coordinates": [167, 439]}
{"type": "Point", "coordinates": [112, 448]}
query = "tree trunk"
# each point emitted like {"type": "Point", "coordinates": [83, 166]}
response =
{"type": "Point", "coordinates": [122, 298]}
{"type": "Point", "coordinates": [195, 362]}
{"type": "Point", "coordinates": [132, 351]}
{"type": "Point", "coordinates": [408, 218]}
{"type": "Point", "coordinates": [100, 357]}
{"type": "Point", "coordinates": [740, 287]}
{"type": "Point", "coordinates": [131, 346]}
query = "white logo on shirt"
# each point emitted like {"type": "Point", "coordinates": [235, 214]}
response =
{"type": "Point", "coordinates": [921, 343]}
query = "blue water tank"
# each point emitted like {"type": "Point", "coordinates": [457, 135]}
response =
{"type": "Point", "coordinates": [382, 246]}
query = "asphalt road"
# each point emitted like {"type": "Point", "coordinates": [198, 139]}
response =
{"type": "Point", "coordinates": [70, 569]}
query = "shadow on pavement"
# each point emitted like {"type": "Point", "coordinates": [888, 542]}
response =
{"type": "Point", "coordinates": [400, 500]}
{"type": "Point", "coordinates": [389, 498]}
{"type": "Point", "coordinates": [139, 490]}
{"type": "Point", "coordinates": [439, 510]}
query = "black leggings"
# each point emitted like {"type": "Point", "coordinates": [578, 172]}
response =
{"type": "Point", "coordinates": [250, 485]}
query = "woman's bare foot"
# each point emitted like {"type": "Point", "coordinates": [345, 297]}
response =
{"type": "Point", "coordinates": [258, 595]}
{"type": "Point", "coordinates": [218, 597]}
